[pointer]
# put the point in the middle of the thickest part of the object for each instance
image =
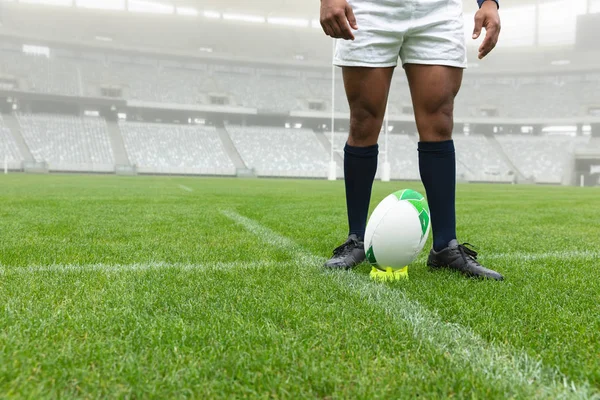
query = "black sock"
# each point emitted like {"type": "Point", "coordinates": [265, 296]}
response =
{"type": "Point", "coordinates": [360, 166]}
{"type": "Point", "coordinates": [437, 164]}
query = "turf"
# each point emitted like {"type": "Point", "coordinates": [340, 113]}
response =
{"type": "Point", "coordinates": [136, 288]}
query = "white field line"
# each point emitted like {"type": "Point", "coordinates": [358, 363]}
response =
{"type": "Point", "coordinates": [459, 343]}
{"type": "Point", "coordinates": [553, 255]}
{"type": "Point", "coordinates": [119, 268]}
{"type": "Point", "coordinates": [186, 188]}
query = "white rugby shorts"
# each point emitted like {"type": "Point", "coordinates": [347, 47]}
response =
{"type": "Point", "coordinates": [418, 31]}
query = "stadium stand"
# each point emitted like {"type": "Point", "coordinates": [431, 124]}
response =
{"type": "Point", "coordinates": [338, 147]}
{"type": "Point", "coordinates": [478, 160]}
{"type": "Point", "coordinates": [185, 83]}
{"type": "Point", "coordinates": [281, 152]}
{"type": "Point", "coordinates": [39, 73]}
{"type": "Point", "coordinates": [318, 87]}
{"type": "Point", "coordinates": [68, 143]}
{"type": "Point", "coordinates": [154, 79]}
{"type": "Point", "coordinates": [261, 88]}
{"type": "Point", "coordinates": [541, 159]}
{"type": "Point", "coordinates": [339, 142]}
{"type": "Point", "coordinates": [399, 96]}
{"type": "Point", "coordinates": [9, 151]}
{"type": "Point", "coordinates": [403, 157]}
{"type": "Point", "coordinates": [78, 144]}
{"type": "Point", "coordinates": [529, 96]}
{"type": "Point", "coordinates": [175, 149]}
{"type": "Point", "coordinates": [145, 79]}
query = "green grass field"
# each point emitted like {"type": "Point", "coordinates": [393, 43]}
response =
{"type": "Point", "coordinates": [213, 288]}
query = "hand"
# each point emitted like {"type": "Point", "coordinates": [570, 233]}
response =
{"type": "Point", "coordinates": [337, 18]}
{"type": "Point", "coordinates": [487, 17]}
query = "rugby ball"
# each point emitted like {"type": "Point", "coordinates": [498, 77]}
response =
{"type": "Point", "coordinates": [397, 230]}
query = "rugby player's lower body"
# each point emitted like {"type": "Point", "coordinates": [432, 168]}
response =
{"type": "Point", "coordinates": [428, 37]}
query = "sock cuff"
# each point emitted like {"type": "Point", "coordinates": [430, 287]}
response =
{"type": "Point", "coordinates": [362, 152]}
{"type": "Point", "coordinates": [447, 146]}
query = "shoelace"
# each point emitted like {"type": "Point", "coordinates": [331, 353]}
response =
{"type": "Point", "coordinates": [468, 251]}
{"type": "Point", "coordinates": [344, 248]}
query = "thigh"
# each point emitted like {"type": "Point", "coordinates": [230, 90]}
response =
{"type": "Point", "coordinates": [367, 91]}
{"type": "Point", "coordinates": [377, 42]}
{"type": "Point", "coordinates": [433, 89]}
{"type": "Point", "coordinates": [437, 36]}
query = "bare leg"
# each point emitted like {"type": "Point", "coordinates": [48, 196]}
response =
{"type": "Point", "coordinates": [433, 90]}
{"type": "Point", "coordinates": [367, 91]}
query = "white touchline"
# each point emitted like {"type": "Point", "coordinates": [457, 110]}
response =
{"type": "Point", "coordinates": [186, 188]}
{"type": "Point", "coordinates": [271, 237]}
{"type": "Point", "coordinates": [460, 344]}
{"type": "Point", "coordinates": [556, 255]}
{"type": "Point", "coordinates": [108, 268]}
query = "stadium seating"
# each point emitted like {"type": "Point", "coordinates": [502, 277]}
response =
{"type": "Point", "coordinates": [542, 159]}
{"type": "Point", "coordinates": [165, 82]}
{"type": "Point", "coordinates": [38, 73]}
{"type": "Point", "coordinates": [402, 156]}
{"type": "Point", "coordinates": [339, 142]}
{"type": "Point", "coordinates": [319, 88]}
{"type": "Point", "coordinates": [529, 96]}
{"type": "Point", "coordinates": [280, 152]}
{"type": "Point", "coordinates": [262, 89]}
{"type": "Point", "coordinates": [478, 160]}
{"type": "Point", "coordinates": [175, 149]}
{"type": "Point", "coordinates": [68, 143]}
{"type": "Point", "coordinates": [8, 148]}
{"type": "Point", "coordinates": [82, 144]}
{"type": "Point", "coordinates": [338, 147]}
{"type": "Point", "coordinates": [146, 81]}
{"type": "Point", "coordinates": [279, 89]}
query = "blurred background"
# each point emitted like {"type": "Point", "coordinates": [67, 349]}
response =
{"type": "Point", "coordinates": [246, 88]}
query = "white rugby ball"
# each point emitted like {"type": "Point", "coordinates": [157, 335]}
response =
{"type": "Point", "coordinates": [397, 230]}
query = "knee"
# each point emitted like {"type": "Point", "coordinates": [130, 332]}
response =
{"type": "Point", "coordinates": [365, 124]}
{"type": "Point", "coordinates": [437, 121]}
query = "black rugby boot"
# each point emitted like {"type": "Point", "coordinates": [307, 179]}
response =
{"type": "Point", "coordinates": [461, 258]}
{"type": "Point", "coordinates": [348, 255]}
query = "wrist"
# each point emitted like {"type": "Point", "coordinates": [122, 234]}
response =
{"type": "Point", "coordinates": [481, 2]}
